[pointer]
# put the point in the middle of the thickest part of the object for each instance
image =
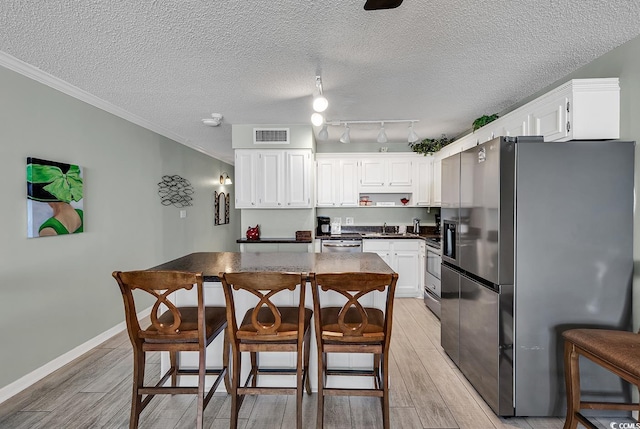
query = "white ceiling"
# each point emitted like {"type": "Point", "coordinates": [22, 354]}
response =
{"type": "Point", "coordinates": [444, 62]}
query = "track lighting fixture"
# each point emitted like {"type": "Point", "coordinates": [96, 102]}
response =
{"type": "Point", "coordinates": [324, 133]}
{"type": "Point", "coordinates": [345, 137]}
{"type": "Point", "coordinates": [320, 102]}
{"type": "Point", "coordinates": [413, 137]}
{"type": "Point", "coordinates": [317, 119]}
{"type": "Point", "coordinates": [382, 136]}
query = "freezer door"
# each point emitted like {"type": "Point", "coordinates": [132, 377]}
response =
{"type": "Point", "coordinates": [479, 339]}
{"type": "Point", "coordinates": [449, 312]}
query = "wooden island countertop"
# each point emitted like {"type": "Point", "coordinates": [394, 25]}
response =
{"type": "Point", "coordinates": [213, 263]}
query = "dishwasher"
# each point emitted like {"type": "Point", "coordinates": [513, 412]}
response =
{"type": "Point", "coordinates": [331, 245]}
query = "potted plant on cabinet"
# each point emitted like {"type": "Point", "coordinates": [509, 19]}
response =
{"type": "Point", "coordinates": [429, 146]}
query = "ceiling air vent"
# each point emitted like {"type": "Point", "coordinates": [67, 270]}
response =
{"type": "Point", "coordinates": [271, 135]}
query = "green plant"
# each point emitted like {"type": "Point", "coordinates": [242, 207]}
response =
{"type": "Point", "coordinates": [484, 120]}
{"type": "Point", "coordinates": [427, 146]}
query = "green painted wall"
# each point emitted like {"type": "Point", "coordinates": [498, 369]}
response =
{"type": "Point", "coordinates": [57, 292]}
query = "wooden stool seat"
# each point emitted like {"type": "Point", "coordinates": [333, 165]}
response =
{"type": "Point", "coordinates": [288, 329]}
{"type": "Point", "coordinates": [620, 349]}
{"type": "Point", "coordinates": [616, 351]}
{"type": "Point", "coordinates": [215, 319]}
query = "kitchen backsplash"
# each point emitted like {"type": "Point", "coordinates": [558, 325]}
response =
{"type": "Point", "coordinates": [379, 216]}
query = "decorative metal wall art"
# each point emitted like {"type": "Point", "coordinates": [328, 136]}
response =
{"type": "Point", "coordinates": [221, 204]}
{"type": "Point", "coordinates": [175, 190]}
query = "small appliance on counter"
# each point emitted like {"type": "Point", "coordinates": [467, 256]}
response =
{"type": "Point", "coordinates": [437, 231]}
{"type": "Point", "coordinates": [324, 226]}
{"type": "Point", "coordinates": [336, 226]}
{"type": "Point", "coordinates": [416, 226]}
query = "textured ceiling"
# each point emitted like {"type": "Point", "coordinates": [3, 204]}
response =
{"type": "Point", "coordinates": [443, 62]}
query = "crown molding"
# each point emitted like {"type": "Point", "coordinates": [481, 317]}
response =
{"type": "Point", "coordinates": [32, 72]}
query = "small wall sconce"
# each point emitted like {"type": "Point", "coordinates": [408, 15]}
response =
{"type": "Point", "coordinates": [225, 179]}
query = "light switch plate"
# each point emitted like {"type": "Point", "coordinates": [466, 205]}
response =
{"type": "Point", "coordinates": [183, 214]}
{"type": "Point", "coordinates": [348, 221]}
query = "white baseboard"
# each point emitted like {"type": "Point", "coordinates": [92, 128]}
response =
{"type": "Point", "coordinates": [38, 374]}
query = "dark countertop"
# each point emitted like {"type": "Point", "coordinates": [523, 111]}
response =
{"type": "Point", "coordinates": [273, 240]}
{"type": "Point", "coordinates": [213, 263]}
{"type": "Point", "coordinates": [376, 236]}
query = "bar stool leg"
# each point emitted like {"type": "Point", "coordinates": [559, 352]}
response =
{"type": "Point", "coordinates": [321, 382]}
{"type": "Point", "coordinates": [226, 349]}
{"type": "Point", "coordinates": [138, 381]}
{"type": "Point", "coordinates": [385, 390]}
{"type": "Point", "coordinates": [201, 376]}
{"type": "Point", "coordinates": [307, 350]}
{"type": "Point", "coordinates": [254, 369]}
{"type": "Point", "coordinates": [572, 381]}
{"type": "Point", "coordinates": [173, 359]}
{"type": "Point", "coordinates": [235, 380]}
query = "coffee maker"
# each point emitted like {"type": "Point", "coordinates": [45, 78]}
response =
{"type": "Point", "coordinates": [324, 226]}
{"type": "Point", "coordinates": [437, 230]}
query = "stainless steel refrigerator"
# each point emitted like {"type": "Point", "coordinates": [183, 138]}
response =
{"type": "Point", "coordinates": [536, 238]}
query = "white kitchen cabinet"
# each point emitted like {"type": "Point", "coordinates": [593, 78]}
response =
{"type": "Point", "coordinates": [273, 178]}
{"type": "Point", "coordinates": [245, 186]}
{"type": "Point", "coordinates": [337, 181]}
{"type": "Point", "coordinates": [514, 125]}
{"type": "Point", "coordinates": [326, 181]}
{"type": "Point", "coordinates": [579, 109]}
{"type": "Point", "coordinates": [270, 179]}
{"type": "Point", "coordinates": [436, 181]}
{"type": "Point", "coordinates": [386, 173]}
{"type": "Point", "coordinates": [297, 184]}
{"type": "Point", "coordinates": [423, 178]}
{"type": "Point", "coordinates": [404, 257]}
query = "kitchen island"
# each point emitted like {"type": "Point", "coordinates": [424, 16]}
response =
{"type": "Point", "coordinates": [211, 264]}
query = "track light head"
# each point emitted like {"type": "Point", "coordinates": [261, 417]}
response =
{"type": "Point", "coordinates": [324, 133]}
{"type": "Point", "coordinates": [345, 137]}
{"type": "Point", "coordinates": [413, 137]}
{"type": "Point", "coordinates": [382, 135]}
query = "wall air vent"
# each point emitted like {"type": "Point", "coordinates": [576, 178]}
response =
{"type": "Point", "coordinates": [271, 135]}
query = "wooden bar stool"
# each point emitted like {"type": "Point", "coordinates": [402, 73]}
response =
{"type": "Point", "coordinates": [616, 351]}
{"type": "Point", "coordinates": [267, 327]}
{"type": "Point", "coordinates": [177, 329]}
{"type": "Point", "coordinates": [354, 328]}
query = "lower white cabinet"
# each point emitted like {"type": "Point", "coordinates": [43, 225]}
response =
{"type": "Point", "coordinates": [404, 257]}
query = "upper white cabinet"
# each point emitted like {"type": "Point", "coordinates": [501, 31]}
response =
{"type": "Point", "coordinates": [423, 178]}
{"type": "Point", "coordinates": [297, 184]}
{"type": "Point", "coordinates": [386, 173]}
{"type": "Point", "coordinates": [580, 109]}
{"type": "Point", "coordinates": [337, 181]}
{"type": "Point", "coordinates": [273, 178]}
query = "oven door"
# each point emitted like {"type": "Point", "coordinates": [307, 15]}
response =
{"type": "Point", "coordinates": [432, 281]}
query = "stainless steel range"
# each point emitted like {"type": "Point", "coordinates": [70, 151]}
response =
{"type": "Point", "coordinates": [432, 276]}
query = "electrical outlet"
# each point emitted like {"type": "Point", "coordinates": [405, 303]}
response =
{"type": "Point", "coordinates": [348, 221]}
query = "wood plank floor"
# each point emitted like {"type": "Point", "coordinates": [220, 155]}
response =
{"type": "Point", "coordinates": [427, 391]}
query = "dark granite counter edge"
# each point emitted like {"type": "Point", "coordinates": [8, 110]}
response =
{"type": "Point", "coordinates": [273, 240]}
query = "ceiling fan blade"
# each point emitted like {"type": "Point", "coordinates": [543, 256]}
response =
{"type": "Point", "coordinates": [381, 4]}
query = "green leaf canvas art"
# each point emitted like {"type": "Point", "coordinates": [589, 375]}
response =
{"type": "Point", "coordinates": [54, 198]}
